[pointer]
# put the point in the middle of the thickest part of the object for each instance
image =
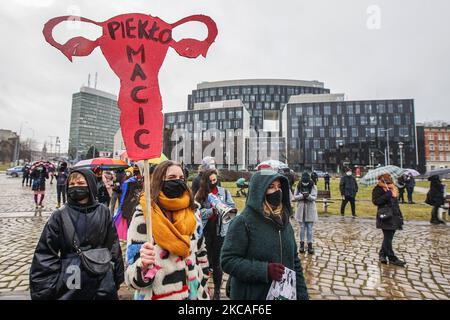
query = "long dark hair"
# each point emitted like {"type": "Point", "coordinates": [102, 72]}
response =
{"type": "Point", "coordinates": [204, 189]}
{"type": "Point", "coordinates": [157, 181]}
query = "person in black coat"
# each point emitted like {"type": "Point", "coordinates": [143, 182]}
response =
{"type": "Point", "coordinates": [385, 195]}
{"type": "Point", "coordinates": [327, 178]}
{"type": "Point", "coordinates": [314, 177]}
{"type": "Point", "coordinates": [435, 198]}
{"type": "Point", "coordinates": [56, 271]}
{"type": "Point", "coordinates": [349, 188]}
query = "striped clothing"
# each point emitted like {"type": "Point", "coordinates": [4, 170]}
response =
{"type": "Point", "coordinates": [177, 278]}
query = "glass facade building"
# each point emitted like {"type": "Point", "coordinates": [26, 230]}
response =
{"type": "Point", "coordinates": [332, 135]}
{"type": "Point", "coordinates": [93, 123]}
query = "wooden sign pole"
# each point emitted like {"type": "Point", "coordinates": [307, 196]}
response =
{"type": "Point", "coordinates": [148, 218]}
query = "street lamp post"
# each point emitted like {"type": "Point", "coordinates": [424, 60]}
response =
{"type": "Point", "coordinates": [400, 146]}
{"type": "Point", "coordinates": [387, 156]}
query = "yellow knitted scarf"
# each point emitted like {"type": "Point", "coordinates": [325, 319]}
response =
{"type": "Point", "coordinates": [175, 236]}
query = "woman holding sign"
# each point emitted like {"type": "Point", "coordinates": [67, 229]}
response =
{"type": "Point", "coordinates": [175, 266]}
{"type": "Point", "coordinates": [260, 242]}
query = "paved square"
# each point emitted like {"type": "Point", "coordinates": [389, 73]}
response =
{"type": "Point", "coordinates": [345, 265]}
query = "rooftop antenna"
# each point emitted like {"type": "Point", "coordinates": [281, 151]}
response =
{"type": "Point", "coordinates": [89, 80]}
{"type": "Point", "coordinates": [96, 76]}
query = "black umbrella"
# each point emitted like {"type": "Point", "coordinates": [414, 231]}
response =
{"type": "Point", "coordinates": [437, 172]}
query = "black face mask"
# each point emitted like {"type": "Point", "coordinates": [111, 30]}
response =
{"type": "Point", "coordinates": [274, 199]}
{"type": "Point", "coordinates": [78, 193]}
{"type": "Point", "coordinates": [174, 188]}
{"type": "Point", "coordinates": [212, 185]}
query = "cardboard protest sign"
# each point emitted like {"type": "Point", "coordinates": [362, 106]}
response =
{"type": "Point", "coordinates": [135, 46]}
{"type": "Point", "coordinates": [286, 289]}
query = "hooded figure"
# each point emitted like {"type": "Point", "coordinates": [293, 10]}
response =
{"type": "Point", "coordinates": [56, 271]}
{"type": "Point", "coordinates": [261, 241]}
{"type": "Point", "coordinates": [435, 198]}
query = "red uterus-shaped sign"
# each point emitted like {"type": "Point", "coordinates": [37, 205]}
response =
{"type": "Point", "coordinates": [135, 46]}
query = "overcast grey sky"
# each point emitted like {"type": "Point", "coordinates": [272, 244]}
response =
{"type": "Point", "coordinates": [408, 56]}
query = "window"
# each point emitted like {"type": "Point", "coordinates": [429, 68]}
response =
{"type": "Point", "coordinates": [310, 121]}
{"type": "Point", "coordinates": [370, 132]}
{"type": "Point", "coordinates": [344, 132]}
{"type": "Point", "coordinates": [447, 147]}
{"type": "Point", "coordinates": [310, 111]}
{"type": "Point", "coordinates": [230, 114]}
{"type": "Point", "coordinates": [171, 119]}
{"type": "Point", "coordinates": [326, 110]}
{"type": "Point", "coordinates": [368, 108]}
{"type": "Point", "coordinates": [294, 144]}
{"type": "Point", "coordinates": [432, 156]}
{"type": "Point", "coordinates": [338, 109]}
{"type": "Point", "coordinates": [431, 146]}
{"type": "Point", "coordinates": [373, 120]}
{"type": "Point", "coordinates": [205, 116]}
{"type": "Point", "coordinates": [440, 136]}
{"type": "Point", "coordinates": [326, 144]}
{"type": "Point", "coordinates": [212, 93]}
{"type": "Point", "coordinates": [350, 109]}
{"type": "Point", "coordinates": [381, 108]}
{"type": "Point", "coordinates": [255, 90]}
{"type": "Point", "coordinates": [354, 132]}
{"type": "Point", "coordinates": [220, 92]}
{"type": "Point", "coordinates": [222, 115]}
{"type": "Point", "coordinates": [363, 120]}
{"type": "Point", "coordinates": [322, 132]}
{"type": "Point", "coordinates": [309, 133]}
{"type": "Point", "coordinates": [181, 118]}
{"type": "Point", "coordinates": [325, 121]}
{"type": "Point", "coordinates": [318, 121]}
{"type": "Point", "coordinates": [441, 147]}
{"type": "Point", "coordinates": [397, 120]}
{"type": "Point", "coordinates": [238, 114]}
{"type": "Point", "coordinates": [317, 110]}
{"type": "Point", "coordinates": [247, 90]}
{"type": "Point", "coordinates": [212, 115]}
{"type": "Point", "coordinates": [400, 108]}
{"type": "Point", "coordinates": [335, 121]}
{"type": "Point", "coordinates": [316, 144]}
{"type": "Point", "coordinates": [391, 108]}
{"type": "Point", "coordinates": [332, 133]}
{"type": "Point", "coordinates": [357, 108]}
{"type": "Point", "coordinates": [430, 136]}
{"type": "Point", "coordinates": [442, 157]}
{"type": "Point", "coordinates": [351, 121]}
{"type": "Point", "coordinates": [294, 133]}
{"type": "Point", "coordinates": [338, 132]}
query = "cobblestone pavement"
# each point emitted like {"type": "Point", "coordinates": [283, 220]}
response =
{"type": "Point", "coordinates": [345, 265]}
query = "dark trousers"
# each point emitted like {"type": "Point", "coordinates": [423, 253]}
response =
{"type": "Point", "coordinates": [213, 247]}
{"type": "Point", "coordinates": [352, 204]}
{"type": "Point", "coordinates": [410, 193]}
{"type": "Point", "coordinates": [434, 214]}
{"type": "Point", "coordinates": [401, 194]}
{"type": "Point", "coordinates": [61, 190]}
{"type": "Point", "coordinates": [327, 185]}
{"type": "Point", "coordinates": [25, 177]}
{"type": "Point", "coordinates": [386, 247]}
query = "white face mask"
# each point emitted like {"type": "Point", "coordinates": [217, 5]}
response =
{"type": "Point", "coordinates": [349, 173]}
{"type": "Point", "coordinates": [305, 183]}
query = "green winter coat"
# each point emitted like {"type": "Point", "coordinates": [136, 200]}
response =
{"type": "Point", "coordinates": [254, 240]}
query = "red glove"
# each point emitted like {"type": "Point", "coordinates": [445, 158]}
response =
{"type": "Point", "coordinates": [275, 271]}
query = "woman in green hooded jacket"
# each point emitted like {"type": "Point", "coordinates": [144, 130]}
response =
{"type": "Point", "coordinates": [260, 242]}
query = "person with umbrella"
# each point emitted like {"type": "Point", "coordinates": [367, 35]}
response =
{"type": "Point", "coordinates": [389, 217]}
{"type": "Point", "coordinates": [436, 198]}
